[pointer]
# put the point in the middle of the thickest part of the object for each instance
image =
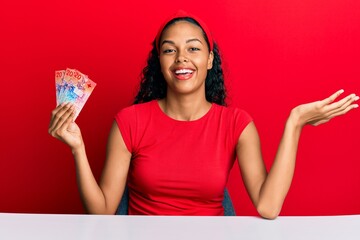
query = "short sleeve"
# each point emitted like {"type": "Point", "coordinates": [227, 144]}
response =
{"type": "Point", "coordinates": [126, 121]}
{"type": "Point", "coordinates": [241, 120]}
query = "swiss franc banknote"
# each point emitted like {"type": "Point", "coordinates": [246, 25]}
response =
{"type": "Point", "coordinates": [73, 86]}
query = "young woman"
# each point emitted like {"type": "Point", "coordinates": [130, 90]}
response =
{"type": "Point", "coordinates": [175, 147]}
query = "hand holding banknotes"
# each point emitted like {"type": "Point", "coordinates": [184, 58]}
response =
{"type": "Point", "coordinates": [63, 127]}
{"type": "Point", "coordinates": [73, 89]}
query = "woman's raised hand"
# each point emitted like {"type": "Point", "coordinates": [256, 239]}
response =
{"type": "Point", "coordinates": [319, 112]}
{"type": "Point", "coordinates": [63, 128]}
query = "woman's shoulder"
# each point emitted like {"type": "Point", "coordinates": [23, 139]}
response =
{"type": "Point", "coordinates": [139, 108]}
{"type": "Point", "coordinates": [232, 111]}
{"type": "Point", "coordinates": [234, 118]}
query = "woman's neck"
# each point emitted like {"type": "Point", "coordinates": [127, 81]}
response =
{"type": "Point", "coordinates": [184, 108]}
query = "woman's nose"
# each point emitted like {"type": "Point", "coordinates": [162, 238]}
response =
{"type": "Point", "coordinates": [181, 57]}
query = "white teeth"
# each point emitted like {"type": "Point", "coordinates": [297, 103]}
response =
{"type": "Point", "coordinates": [183, 71]}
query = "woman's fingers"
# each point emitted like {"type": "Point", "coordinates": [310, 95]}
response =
{"type": "Point", "coordinates": [64, 117]}
{"type": "Point", "coordinates": [319, 112]}
{"type": "Point", "coordinates": [59, 110]}
{"type": "Point", "coordinates": [335, 109]}
{"type": "Point", "coordinates": [67, 120]}
{"type": "Point", "coordinates": [60, 117]}
{"type": "Point", "coordinates": [343, 111]}
{"type": "Point", "coordinates": [57, 113]}
{"type": "Point", "coordinates": [63, 127]}
{"type": "Point", "coordinates": [54, 112]}
{"type": "Point", "coordinates": [332, 98]}
{"type": "Point", "coordinates": [342, 104]}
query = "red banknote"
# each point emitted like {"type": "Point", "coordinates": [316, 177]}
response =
{"type": "Point", "coordinates": [73, 86]}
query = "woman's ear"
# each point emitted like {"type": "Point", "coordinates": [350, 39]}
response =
{"type": "Point", "coordinates": [210, 60]}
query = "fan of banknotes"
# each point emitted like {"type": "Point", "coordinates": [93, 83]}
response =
{"type": "Point", "coordinates": [73, 86]}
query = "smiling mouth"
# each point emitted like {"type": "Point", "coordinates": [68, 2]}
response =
{"type": "Point", "coordinates": [183, 74]}
{"type": "Point", "coordinates": [183, 71]}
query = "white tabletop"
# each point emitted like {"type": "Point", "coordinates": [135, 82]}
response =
{"type": "Point", "coordinates": [51, 226]}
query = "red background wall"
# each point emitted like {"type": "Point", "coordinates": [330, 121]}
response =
{"type": "Point", "coordinates": [277, 54]}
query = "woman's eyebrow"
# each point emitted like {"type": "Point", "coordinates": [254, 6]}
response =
{"type": "Point", "coordinates": [187, 41]}
{"type": "Point", "coordinates": [193, 39]}
{"type": "Point", "coordinates": [167, 41]}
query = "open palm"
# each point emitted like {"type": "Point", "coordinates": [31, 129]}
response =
{"type": "Point", "coordinates": [316, 113]}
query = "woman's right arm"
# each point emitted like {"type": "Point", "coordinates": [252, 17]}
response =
{"type": "Point", "coordinates": [102, 198]}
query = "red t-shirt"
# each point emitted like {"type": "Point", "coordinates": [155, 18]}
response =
{"type": "Point", "coordinates": [179, 167]}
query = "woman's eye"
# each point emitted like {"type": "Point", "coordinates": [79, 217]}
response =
{"type": "Point", "coordinates": [168, 50]}
{"type": "Point", "coordinates": [193, 49]}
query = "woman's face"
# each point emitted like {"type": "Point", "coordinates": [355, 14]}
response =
{"type": "Point", "coordinates": [184, 58]}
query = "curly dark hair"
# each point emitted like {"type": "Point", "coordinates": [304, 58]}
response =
{"type": "Point", "coordinates": [153, 85]}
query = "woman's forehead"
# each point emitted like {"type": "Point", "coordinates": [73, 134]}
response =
{"type": "Point", "coordinates": [184, 29]}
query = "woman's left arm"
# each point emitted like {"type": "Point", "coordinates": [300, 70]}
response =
{"type": "Point", "coordinates": [268, 190]}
